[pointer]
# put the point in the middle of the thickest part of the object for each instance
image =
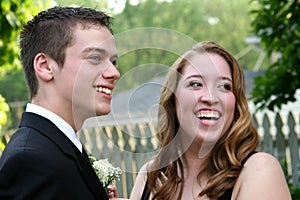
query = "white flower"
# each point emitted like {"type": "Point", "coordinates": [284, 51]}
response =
{"type": "Point", "coordinates": [105, 171]}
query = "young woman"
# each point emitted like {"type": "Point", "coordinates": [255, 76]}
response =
{"type": "Point", "coordinates": [208, 141]}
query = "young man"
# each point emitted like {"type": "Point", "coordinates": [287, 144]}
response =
{"type": "Point", "coordinates": [69, 59]}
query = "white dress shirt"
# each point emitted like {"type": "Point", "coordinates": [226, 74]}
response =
{"type": "Point", "coordinates": [58, 121]}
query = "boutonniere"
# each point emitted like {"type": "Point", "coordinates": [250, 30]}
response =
{"type": "Point", "coordinates": [105, 171]}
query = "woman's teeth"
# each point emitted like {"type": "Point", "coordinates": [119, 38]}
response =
{"type": "Point", "coordinates": [208, 115]}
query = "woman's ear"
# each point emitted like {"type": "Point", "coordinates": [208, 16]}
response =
{"type": "Point", "coordinates": [42, 67]}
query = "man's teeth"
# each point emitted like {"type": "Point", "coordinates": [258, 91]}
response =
{"type": "Point", "coordinates": [104, 90]}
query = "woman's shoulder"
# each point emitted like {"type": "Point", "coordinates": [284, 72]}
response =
{"type": "Point", "coordinates": [145, 167]}
{"type": "Point", "coordinates": [261, 164]}
{"type": "Point", "coordinates": [261, 160]}
{"type": "Point", "coordinates": [140, 182]}
{"type": "Point", "coordinates": [261, 174]}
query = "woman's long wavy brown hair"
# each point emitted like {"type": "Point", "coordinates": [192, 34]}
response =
{"type": "Point", "coordinates": [225, 163]}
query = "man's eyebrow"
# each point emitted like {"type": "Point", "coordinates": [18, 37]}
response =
{"type": "Point", "coordinates": [94, 49]}
{"type": "Point", "coordinates": [100, 50]}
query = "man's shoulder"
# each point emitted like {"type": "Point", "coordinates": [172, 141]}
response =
{"type": "Point", "coordinates": [26, 142]}
{"type": "Point", "coordinates": [22, 136]}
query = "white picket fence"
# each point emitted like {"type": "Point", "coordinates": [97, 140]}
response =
{"type": "Point", "coordinates": [129, 144]}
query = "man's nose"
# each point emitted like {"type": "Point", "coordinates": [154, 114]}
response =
{"type": "Point", "coordinates": [111, 72]}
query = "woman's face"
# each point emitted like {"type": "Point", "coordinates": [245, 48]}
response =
{"type": "Point", "coordinates": [205, 102]}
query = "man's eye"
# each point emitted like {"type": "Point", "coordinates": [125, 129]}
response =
{"type": "Point", "coordinates": [114, 62]}
{"type": "Point", "coordinates": [95, 58]}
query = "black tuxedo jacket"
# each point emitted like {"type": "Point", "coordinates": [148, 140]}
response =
{"type": "Point", "coordinates": [40, 162]}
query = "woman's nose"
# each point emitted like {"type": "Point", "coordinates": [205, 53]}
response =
{"type": "Point", "coordinates": [208, 96]}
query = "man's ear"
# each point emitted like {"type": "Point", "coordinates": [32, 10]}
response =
{"type": "Point", "coordinates": [42, 66]}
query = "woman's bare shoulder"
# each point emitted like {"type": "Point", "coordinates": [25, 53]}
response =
{"type": "Point", "coordinates": [264, 165]}
{"type": "Point", "coordinates": [140, 182]}
{"type": "Point", "coordinates": [261, 158]}
{"type": "Point", "coordinates": [262, 174]}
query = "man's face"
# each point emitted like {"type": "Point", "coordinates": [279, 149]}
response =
{"type": "Point", "coordinates": [89, 74]}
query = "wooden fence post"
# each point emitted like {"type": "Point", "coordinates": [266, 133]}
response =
{"type": "Point", "coordinates": [294, 150]}
{"type": "Point", "coordinates": [280, 139]}
{"type": "Point", "coordinates": [268, 140]}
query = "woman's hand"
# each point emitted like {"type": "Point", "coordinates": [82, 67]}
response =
{"type": "Point", "coordinates": [112, 192]}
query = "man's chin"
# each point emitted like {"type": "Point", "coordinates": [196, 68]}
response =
{"type": "Point", "coordinates": [102, 112]}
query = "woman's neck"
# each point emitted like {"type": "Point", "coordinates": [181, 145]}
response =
{"type": "Point", "coordinates": [195, 175]}
{"type": "Point", "coordinates": [194, 164]}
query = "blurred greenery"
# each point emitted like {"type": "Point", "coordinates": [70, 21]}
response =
{"type": "Point", "coordinates": [13, 13]}
{"type": "Point", "coordinates": [225, 22]}
{"type": "Point", "coordinates": [277, 24]}
{"type": "Point", "coordinates": [295, 191]}
{"type": "Point", "coordinates": [228, 23]}
{"type": "Point", "coordinates": [4, 109]}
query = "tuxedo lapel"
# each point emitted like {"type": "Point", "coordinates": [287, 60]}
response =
{"type": "Point", "coordinates": [49, 130]}
{"type": "Point", "coordinates": [90, 176]}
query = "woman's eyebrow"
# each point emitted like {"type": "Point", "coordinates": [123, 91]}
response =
{"type": "Point", "coordinates": [226, 78]}
{"type": "Point", "coordinates": [200, 76]}
{"type": "Point", "coordinates": [194, 76]}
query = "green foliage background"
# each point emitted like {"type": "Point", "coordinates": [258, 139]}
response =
{"type": "Point", "coordinates": [227, 22]}
{"type": "Point", "coordinates": [277, 23]}
{"type": "Point", "coordinates": [13, 14]}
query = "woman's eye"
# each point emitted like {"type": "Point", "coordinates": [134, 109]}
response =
{"type": "Point", "coordinates": [195, 84]}
{"type": "Point", "coordinates": [226, 87]}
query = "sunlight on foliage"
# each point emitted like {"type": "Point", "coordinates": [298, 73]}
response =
{"type": "Point", "coordinates": [13, 14]}
{"type": "Point", "coordinates": [277, 24]}
{"type": "Point", "coordinates": [4, 109]}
